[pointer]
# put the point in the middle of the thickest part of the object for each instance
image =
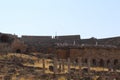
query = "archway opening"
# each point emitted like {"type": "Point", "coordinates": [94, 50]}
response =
{"type": "Point", "coordinates": [115, 61]}
{"type": "Point", "coordinates": [101, 62]}
{"type": "Point", "coordinates": [108, 62]}
{"type": "Point", "coordinates": [76, 60]}
{"type": "Point", "coordinates": [18, 51]}
{"type": "Point", "coordinates": [85, 60]}
{"type": "Point", "coordinates": [94, 62]}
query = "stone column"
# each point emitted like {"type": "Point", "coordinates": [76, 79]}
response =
{"type": "Point", "coordinates": [89, 60]}
{"type": "Point", "coordinates": [60, 65]}
{"type": "Point", "coordinates": [80, 66]}
{"type": "Point", "coordinates": [43, 61]}
{"type": "Point", "coordinates": [55, 65]}
{"type": "Point", "coordinates": [63, 65]}
{"type": "Point", "coordinates": [68, 65]}
{"type": "Point", "coordinates": [105, 63]}
{"type": "Point", "coordinates": [111, 65]}
{"type": "Point", "coordinates": [55, 68]}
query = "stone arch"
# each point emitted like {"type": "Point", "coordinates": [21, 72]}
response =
{"type": "Point", "coordinates": [101, 63]}
{"type": "Point", "coordinates": [85, 60]}
{"type": "Point", "coordinates": [76, 60]}
{"type": "Point", "coordinates": [18, 51]}
{"type": "Point", "coordinates": [115, 62]}
{"type": "Point", "coordinates": [108, 62]}
{"type": "Point", "coordinates": [94, 62]}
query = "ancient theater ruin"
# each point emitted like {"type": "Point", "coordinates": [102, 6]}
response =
{"type": "Point", "coordinates": [99, 52]}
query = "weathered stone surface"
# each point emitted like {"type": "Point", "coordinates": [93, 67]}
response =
{"type": "Point", "coordinates": [100, 56]}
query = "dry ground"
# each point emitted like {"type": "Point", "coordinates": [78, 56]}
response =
{"type": "Point", "coordinates": [35, 62]}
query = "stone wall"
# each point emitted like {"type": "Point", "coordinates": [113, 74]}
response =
{"type": "Point", "coordinates": [10, 43]}
{"type": "Point", "coordinates": [100, 56]}
{"type": "Point", "coordinates": [37, 43]}
{"type": "Point", "coordinates": [43, 43]}
{"type": "Point", "coordinates": [68, 37]}
{"type": "Point", "coordinates": [113, 41]}
{"type": "Point", "coordinates": [18, 46]}
{"type": "Point", "coordinates": [70, 40]}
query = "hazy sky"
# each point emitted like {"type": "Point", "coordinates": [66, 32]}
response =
{"type": "Point", "coordinates": [97, 18]}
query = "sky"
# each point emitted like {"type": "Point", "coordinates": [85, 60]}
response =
{"type": "Point", "coordinates": [88, 18]}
